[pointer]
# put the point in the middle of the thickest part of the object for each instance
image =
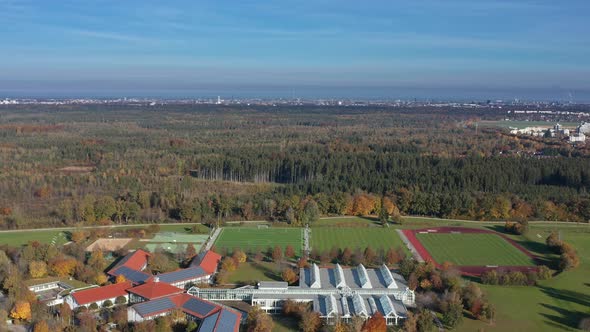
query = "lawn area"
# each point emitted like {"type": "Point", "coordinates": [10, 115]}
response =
{"type": "Point", "coordinates": [285, 324]}
{"type": "Point", "coordinates": [20, 238]}
{"type": "Point", "coordinates": [253, 272]}
{"type": "Point", "coordinates": [252, 238]}
{"type": "Point", "coordinates": [473, 249]}
{"type": "Point", "coordinates": [324, 238]}
{"type": "Point", "coordinates": [556, 304]}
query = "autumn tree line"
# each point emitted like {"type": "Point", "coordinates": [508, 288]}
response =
{"type": "Point", "coordinates": [127, 164]}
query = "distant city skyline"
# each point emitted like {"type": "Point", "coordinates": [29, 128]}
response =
{"type": "Point", "coordinates": [454, 49]}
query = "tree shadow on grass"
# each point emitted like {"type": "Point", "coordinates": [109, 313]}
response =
{"type": "Point", "coordinates": [567, 295]}
{"type": "Point", "coordinates": [534, 247]}
{"type": "Point", "coordinates": [569, 318]}
{"type": "Point", "coordinates": [269, 273]}
{"type": "Point", "coordinates": [497, 228]}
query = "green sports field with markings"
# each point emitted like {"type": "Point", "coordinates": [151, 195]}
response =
{"type": "Point", "coordinates": [252, 238]}
{"type": "Point", "coordinates": [325, 238]}
{"type": "Point", "coordinates": [466, 249]}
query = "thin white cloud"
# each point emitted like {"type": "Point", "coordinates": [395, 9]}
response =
{"type": "Point", "coordinates": [107, 35]}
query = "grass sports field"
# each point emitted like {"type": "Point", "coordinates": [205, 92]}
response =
{"type": "Point", "coordinates": [20, 238]}
{"type": "Point", "coordinates": [324, 238]}
{"type": "Point", "coordinates": [252, 238]}
{"type": "Point", "coordinates": [472, 249]}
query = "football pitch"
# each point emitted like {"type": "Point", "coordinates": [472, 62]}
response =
{"type": "Point", "coordinates": [325, 238]}
{"type": "Point", "coordinates": [467, 249]}
{"type": "Point", "coordinates": [251, 238]}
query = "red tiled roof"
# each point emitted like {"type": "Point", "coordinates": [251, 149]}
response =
{"type": "Point", "coordinates": [135, 260]}
{"type": "Point", "coordinates": [210, 261]}
{"type": "Point", "coordinates": [87, 296]}
{"type": "Point", "coordinates": [153, 290]}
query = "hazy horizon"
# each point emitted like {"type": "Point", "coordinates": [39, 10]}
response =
{"type": "Point", "coordinates": [455, 49]}
{"type": "Point", "coordinates": [311, 92]}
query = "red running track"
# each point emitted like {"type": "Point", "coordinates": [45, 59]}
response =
{"type": "Point", "coordinates": [467, 270]}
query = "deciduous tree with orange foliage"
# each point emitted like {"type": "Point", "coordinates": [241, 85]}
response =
{"type": "Point", "coordinates": [37, 269]}
{"type": "Point", "coordinates": [289, 275]}
{"type": "Point", "coordinates": [289, 251]}
{"type": "Point", "coordinates": [239, 257]}
{"type": "Point", "coordinates": [120, 279]}
{"type": "Point", "coordinates": [63, 266]}
{"type": "Point", "coordinates": [363, 204]}
{"type": "Point", "coordinates": [79, 236]}
{"type": "Point", "coordinates": [101, 279]}
{"type": "Point", "coordinates": [228, 264]}
{"type": "Point", "coordinates": [41, 326]}
{"type": "Point", "coordinates": [376, 323]}
{"type": "Point", "coordinates": [21, 310]}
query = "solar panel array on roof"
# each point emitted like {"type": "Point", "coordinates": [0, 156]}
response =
{"type": "Point", "coordinates": [153, 307]}
{"type": "Point", "coordinates": [387, 276]}
{"type": "Point", "coordinates": [130, 274]}
{"type": "Point", "coordinates": [198, 306]}
{"type": "Point", "coordinates": [208, 324]}
{"type": "Point", "coordinates": [180, 275]}
{"type": "Point", "coordinates": [227, 321]}
{"type": "Point", "coordinates": [363, 276]}
{"type": "Point", "coordinates": [339, 276]}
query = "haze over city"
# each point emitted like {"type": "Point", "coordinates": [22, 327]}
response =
{"type": "Point", "coordinates": [379, 49]}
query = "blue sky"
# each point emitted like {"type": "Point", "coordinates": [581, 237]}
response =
{"type": "Point", "coordinates": [118, 47]}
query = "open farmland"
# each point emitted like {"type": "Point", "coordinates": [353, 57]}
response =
{"type": "Point", "coordinates": [251, 238]}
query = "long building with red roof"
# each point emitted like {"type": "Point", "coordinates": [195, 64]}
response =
{"type": "Point", "coordinates": [141, 286]}
{"type": "Point", "coordinates": [99, 295]}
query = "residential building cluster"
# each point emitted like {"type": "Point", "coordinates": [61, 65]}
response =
{"type": "Point", "coordinates": [574, 136]}
{"type": "Point", "coordinates": [335, 293]}
{"type": "Point", "coordinates": [151, 296]}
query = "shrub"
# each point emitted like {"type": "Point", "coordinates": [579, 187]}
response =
{"type": "Point", "coordinates": [568, 261]}
{"type": "Point", "coordinates": [553, 241]}
{"type": "Point", "coordinates": [107, 304]}
{"type": "Point", "coordinates": [517, 278]}
{"type": "Point", "coordinates": [544, 272]}
{"type": "Point", "coordinates": [93, 306]}
{"type": "Point", "coordinates": [490, 277]}
{"type": "Point", "coordinates": [120, 300]}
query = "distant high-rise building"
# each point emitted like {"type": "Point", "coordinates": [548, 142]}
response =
{"type": "Point", "coordinates": [218, 100]}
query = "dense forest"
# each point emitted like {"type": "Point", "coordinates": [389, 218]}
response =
{"type": "Point", "coordinates": [97, 164]}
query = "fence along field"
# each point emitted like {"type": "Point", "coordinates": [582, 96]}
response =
{"type": "Point", "coordinates": [252, 239]}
